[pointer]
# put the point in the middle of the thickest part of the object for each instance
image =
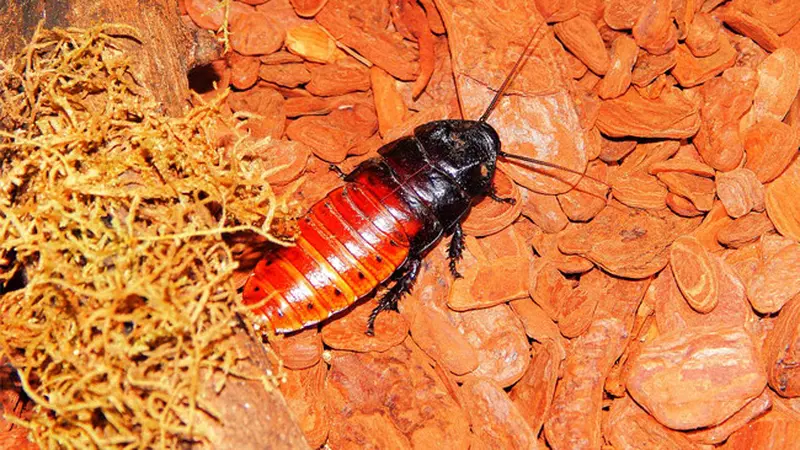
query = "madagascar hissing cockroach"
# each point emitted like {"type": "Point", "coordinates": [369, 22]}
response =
{"type": "Point", "coordinates": [379, 225]}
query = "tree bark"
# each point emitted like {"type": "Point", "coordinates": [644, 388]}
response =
{"type": "Point", "coordinates": [167, 48]}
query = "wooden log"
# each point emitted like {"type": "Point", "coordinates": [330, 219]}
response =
{"type": "Point", "coordinates": [252, 417]}
{"type": "Point", "coordinates": [168, 47]}
{"type": "Point", "coordinates": [13, 403]}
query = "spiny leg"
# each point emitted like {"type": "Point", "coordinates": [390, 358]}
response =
{"type": "Point", "coordinates": [493, 195]}
{"type": "Point", "coordinates": [456, 249]}
{"type": "Point", "coordinates": [335, 168]}
{"type": "Point", "coordinates": [407, 275]}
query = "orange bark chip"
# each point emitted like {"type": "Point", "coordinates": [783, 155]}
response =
{"type": "Point", "coordinates": [299, 350]}
{"type": "Point", "coordinates": [671, 115]}
{"type": "Point", "coordinates": [699, 190]}
{"type": "Point", "coordinates": [770, 145]}
{"type": "Point", "coordinates": [682, 206]}
{"type": "Point", "coordinates": [622, 14]}
{"type": "Point", "coordinates": [533, 394]}
{"type": "Point", "coordinates": [266, 104]}
{"type": "Point", "coordinates": [244, 70]}
{"type": "Point", "coordinates": [682, 165]}
{"type": "Point", "coordinates": [489, 216]}
{"type": "Point", "coordinates": [627, 242]}
{"type": "Point", "coordinates": [725, 100]}
{"type": "Point", "coordinates": [288, 75]}
{"type": "Point", "coordinates": [697, 377]}
{"type": "Point", "coordinates": [442, 342]}
{"type": "Point", "coordinates": [744, 230]}
{"type": "Point", "coordinates": [338, 78]}
{"type": "Point", "coordinates": [673, 312]}
{"type": "Point", "coordinates": [434, 18]}
{"type": "Point", "coordinates": [740, 192]}
{"type": "Point", "coordinates": [492, 281]}
{"type": "Point", "coordinates": [778, 84]}
{"type": "Point", "coordinates": [779, 15]}
{"type": "Point", "coordinates": [557, 10]}
{"type": "Point", "coordinates": [307, 8]}
{"type": "Point", "coordinates": [331, 137]}
{"type": "Point", "coordinates": [576, 413]}
{"type": "Point", "coordinates": [565, 142]}
{"type": "Point", "coordinates": [588, 198]}
{"type": "Point", "coordinates": [348, 331]}
{"type": "Point", "coordinates": [494, 418]}
{"type": "Point", "coordinates": [318, 106]}
{"type": "Point", "coordinates": [441, 88]}
{"type": "Point", "coordinates": [285, 161]}
{"type": "Point", "coordinates": [714, 220]}
{"type": "Point", "coordinates": [389, 104]}
{"type": "Point", "coordinates": [410, 20]}
{"type": "Point", "coordinates": [630, 182]}
{"type": "Point", "coordinates": [523, 120]}
{"type": "Point", "coordinates": [691, 71]}
{"type": "Point", "coordinates": [280, 57]}
{"type": "Point", "coordinates": [782, 351]}
{"type": "Point", "coordinates": [567, 264]}
{"type": "Point", "coordinates": [577, 311]}
{"type": "Point", "coordinates": [613, 150]}
{"type": "Point", "coordinates": [497, 335]}
{"type": "Point", "coordinates": [392, 399]}
{"type": "Point", "coordinates": [719, 433]}
{"type": "Point", "coordinates": [549, 289]}
{"type": "Point", "coordinates": [629, 427]}
{"type": "Point", "coordinates": [618, 77]}
{"type": "Point", "coordinates": [538, 326]}
{"type": "Point", "coordinates": [209, 14]}
{"type": "Point", "coordinates": [783, 206]}
{"type": "Point", "coordinates": [751, 27]}
{"type": "Point", "coordinates": [694, 273]}
{"type": "Point", "coordinates": [649, 67]}
{"type": "Point", "coordinates": [774, 431]}
{"type": "Point", "coordinates": [581, 37]}
{"type": "Point", "coordinates": [312, 43]}
{"type": "Point", "coordinates": [304, 391]}
{"type": "Point", "coordinates": [256, 33]}
{"type": "Point", "coordinates": [792, 39]}
{"type": "Point", "coordinates": [654, 30]}
{"type": "Point", "coordinates": [593, 9]}
{"type": "Point", "coordinates": [432, 323]}
{"type": "Point", "coordinates": [544, 211]}
{"type": "Point", "coordinates": [776, 281]}
{"type": "Point", "coordinates": [362, 26]}
{"type": "Point", "coordinates": [702, 39]}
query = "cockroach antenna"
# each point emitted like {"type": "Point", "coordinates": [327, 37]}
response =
{"type": "Point", "coordinates": [531, 45]}
{"type": "Point", "coordinates": [512, 74]}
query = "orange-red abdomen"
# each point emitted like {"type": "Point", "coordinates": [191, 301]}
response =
{"type": "Point", "coordinates": [350, 241]}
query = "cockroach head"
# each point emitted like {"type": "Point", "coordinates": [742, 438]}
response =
{"type": "Point", "coordinates": [466, 150]}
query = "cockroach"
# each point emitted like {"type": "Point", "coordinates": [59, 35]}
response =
{"type": "Point", "coordinates": [379, 225]}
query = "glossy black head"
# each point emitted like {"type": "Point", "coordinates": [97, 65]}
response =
{"type": "Point", "coordinates": [466, 150]}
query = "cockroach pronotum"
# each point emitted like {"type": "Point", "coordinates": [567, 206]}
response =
{"type": "Point", "coordinates": [379, 225]}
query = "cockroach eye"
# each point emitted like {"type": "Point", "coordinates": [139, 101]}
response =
{"type": "Point", "coordinates": [484, 171]}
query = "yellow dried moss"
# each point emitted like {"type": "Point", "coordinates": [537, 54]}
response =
{"type": "Point", "coordinates": [119, 292]}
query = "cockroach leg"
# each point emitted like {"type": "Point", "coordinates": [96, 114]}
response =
{"type": "Point", "coordinates": [456, 249]}
{"type": "Point", "coordinates": [493, 195]}
{"type": "Point", "coordinates": [388, 302]}
{"type": "Point", "coordinates": [335, 168]}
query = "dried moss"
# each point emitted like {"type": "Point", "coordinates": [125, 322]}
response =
{"type": "Point", "coordinates": [112, 216]}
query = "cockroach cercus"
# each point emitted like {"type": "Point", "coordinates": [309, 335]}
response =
{"type": "Point", "coordinates": [391, 210]}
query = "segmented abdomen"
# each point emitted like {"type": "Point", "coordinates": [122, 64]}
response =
{"type": "Point", "coordinates": [350, 241]}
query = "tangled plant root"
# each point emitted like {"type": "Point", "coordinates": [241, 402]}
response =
{"type": "Point", "coordinates": [112, 216]}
